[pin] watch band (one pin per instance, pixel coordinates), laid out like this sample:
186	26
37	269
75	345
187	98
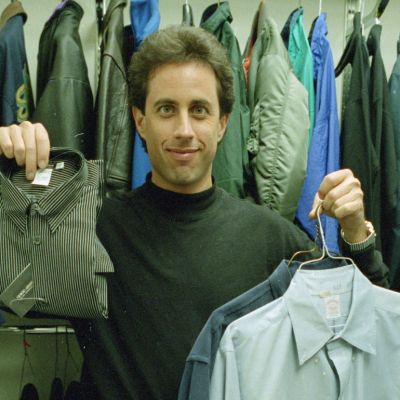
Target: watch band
365	243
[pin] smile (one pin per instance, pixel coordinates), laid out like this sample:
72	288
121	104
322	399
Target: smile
182	154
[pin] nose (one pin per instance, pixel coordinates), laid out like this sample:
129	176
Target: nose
184	128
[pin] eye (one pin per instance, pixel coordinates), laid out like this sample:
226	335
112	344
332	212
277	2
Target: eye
166	109
199	110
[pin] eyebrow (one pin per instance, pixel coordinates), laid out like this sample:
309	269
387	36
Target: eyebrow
167	100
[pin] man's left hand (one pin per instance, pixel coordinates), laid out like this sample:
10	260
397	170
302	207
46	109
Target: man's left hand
342	198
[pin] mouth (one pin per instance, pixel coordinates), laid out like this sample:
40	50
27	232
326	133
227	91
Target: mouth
182	154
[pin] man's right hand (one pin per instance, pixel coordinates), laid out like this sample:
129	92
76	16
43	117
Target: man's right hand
28	143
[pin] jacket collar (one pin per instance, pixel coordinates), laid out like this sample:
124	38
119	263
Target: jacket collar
55	205
214	16
319	42
310	329
14	8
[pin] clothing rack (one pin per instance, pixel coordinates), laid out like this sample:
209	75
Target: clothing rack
62	329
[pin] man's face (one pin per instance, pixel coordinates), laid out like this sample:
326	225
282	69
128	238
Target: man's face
182	126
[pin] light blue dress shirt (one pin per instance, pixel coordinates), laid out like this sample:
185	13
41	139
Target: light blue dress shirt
333	335
324	152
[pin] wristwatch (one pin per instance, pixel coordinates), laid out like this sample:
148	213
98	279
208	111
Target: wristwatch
365	243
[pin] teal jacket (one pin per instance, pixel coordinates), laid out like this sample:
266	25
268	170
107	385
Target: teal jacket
231	162
296	42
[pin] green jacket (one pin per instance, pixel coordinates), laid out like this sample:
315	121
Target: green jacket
231	162
279	123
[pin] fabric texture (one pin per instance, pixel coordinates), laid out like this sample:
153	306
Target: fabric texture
356	144
195	384
145	19
230	167
16	101
324	151
62	69
341	343
279	124
394	250
115	125
178	255
52	229
387	180
296	42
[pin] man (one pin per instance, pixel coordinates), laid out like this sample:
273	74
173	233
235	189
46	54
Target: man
181	246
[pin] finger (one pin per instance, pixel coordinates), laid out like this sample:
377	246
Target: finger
351	204
6	145
313	212
42	145
332	180
28	136
18	144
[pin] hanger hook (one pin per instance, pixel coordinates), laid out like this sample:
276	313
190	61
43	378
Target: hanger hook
320	7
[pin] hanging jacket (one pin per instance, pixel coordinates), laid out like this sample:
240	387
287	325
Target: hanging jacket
145	19
394	251
356	145
231	161
279	124
16	101
64	96
387	182
324	152
296	42
115	125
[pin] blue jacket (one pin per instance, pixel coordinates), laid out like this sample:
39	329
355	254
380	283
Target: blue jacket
324	152
16	101
145	19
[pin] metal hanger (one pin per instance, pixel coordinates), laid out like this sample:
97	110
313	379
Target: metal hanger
325	250
320	7
370	19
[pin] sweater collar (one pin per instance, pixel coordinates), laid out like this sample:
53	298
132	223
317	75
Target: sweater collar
179	205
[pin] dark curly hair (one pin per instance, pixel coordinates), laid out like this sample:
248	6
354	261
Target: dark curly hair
175	45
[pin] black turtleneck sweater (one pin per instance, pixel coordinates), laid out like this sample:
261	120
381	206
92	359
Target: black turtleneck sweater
177	258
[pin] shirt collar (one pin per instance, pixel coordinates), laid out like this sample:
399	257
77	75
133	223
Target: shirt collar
310	329
55	205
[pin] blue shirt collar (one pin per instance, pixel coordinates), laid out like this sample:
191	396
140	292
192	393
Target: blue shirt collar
311	330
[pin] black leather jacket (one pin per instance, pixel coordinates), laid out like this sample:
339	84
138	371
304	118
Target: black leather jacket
64	96
115	125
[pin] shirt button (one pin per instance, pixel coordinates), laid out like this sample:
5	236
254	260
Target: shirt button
354	358
36	207
37	239
316	360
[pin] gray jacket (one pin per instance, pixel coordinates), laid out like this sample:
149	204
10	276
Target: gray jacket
279	123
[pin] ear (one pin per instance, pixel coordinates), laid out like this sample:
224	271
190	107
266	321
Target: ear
140	121
223	123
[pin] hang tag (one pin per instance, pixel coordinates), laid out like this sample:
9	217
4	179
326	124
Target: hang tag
60	165
19	294
332	306
42	177
325	293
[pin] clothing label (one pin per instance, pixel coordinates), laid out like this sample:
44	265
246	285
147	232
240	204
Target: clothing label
18	295
325	293
60	165
42	177
332	306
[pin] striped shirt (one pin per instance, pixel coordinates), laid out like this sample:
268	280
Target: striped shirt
53	229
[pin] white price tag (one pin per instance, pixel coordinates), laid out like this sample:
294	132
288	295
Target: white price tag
42	177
